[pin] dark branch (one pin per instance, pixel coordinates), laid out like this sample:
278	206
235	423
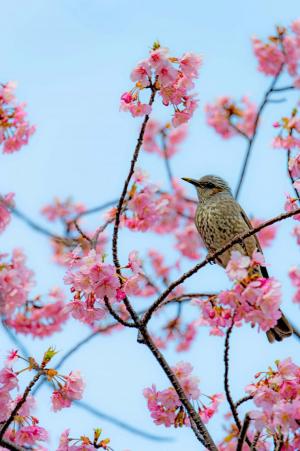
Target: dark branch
252	139
243	433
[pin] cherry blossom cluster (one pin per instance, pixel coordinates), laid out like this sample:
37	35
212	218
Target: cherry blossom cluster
64	210
83	443
164	140
148	208
39	317
230	118
16	281
36	317
172	77
283	48
92	281
286	138
5	215
167	409
15	130
23	428
254	299
276	394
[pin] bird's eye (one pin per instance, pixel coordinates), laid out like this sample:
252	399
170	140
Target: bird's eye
209	185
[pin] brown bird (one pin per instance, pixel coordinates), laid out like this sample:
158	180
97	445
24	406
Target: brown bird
219	218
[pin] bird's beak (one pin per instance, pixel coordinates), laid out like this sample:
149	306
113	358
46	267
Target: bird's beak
192	181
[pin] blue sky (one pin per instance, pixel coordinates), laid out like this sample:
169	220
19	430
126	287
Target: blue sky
72	60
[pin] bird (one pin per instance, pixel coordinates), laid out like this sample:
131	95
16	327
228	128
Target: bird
219	218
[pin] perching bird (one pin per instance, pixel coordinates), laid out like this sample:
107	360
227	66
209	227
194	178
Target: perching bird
219	218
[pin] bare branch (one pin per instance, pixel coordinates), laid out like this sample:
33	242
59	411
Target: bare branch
252	139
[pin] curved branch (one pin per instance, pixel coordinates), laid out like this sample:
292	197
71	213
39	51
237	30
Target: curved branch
252	139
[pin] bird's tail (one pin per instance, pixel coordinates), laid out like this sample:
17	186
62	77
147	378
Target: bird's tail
282	330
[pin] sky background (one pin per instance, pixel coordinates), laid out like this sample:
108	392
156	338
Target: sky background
72	61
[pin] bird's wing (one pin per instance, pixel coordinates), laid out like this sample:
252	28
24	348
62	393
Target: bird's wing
264	271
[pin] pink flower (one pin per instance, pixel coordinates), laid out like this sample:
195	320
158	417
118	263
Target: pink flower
294	166
29	435
189	242
165	406
172	77
291	205
266	235
62	210
5	215
270	57
8	379
141	74
16	280
237	266
15	131
190	64
226	116
70	391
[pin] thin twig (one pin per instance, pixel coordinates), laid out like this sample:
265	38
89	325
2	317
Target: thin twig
115	314
226	379
252	139
243	433
283	88
242	400
211	257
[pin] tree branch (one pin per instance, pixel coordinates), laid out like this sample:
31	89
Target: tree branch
252	139
243	433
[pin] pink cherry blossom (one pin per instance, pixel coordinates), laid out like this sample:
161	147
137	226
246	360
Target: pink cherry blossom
172	77
70	391
237	267
269	56
266	235
142	73
227	116
189	242
5	215
62	210
15	130
29	435
16	280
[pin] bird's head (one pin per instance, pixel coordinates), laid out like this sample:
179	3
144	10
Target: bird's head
208	186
